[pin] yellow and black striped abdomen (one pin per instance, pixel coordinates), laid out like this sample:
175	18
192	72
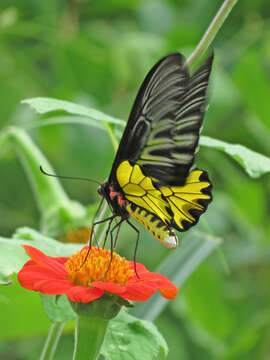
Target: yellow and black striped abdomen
161	231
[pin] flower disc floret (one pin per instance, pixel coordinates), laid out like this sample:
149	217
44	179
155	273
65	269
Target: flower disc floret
91	265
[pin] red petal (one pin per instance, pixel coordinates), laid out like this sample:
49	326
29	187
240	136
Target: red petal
50	287
139	267
61	259
32	273
166	287
140	289
160	282
46	261
109	287
169	293
138	292
84	294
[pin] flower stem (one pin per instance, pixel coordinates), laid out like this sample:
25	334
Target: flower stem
211	32
52	341
89	337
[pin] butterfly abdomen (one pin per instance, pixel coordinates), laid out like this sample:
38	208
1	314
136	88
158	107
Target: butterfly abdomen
161	231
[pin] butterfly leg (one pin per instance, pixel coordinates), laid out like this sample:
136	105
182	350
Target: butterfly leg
110	218
136	246
113	243
117	226
117	234
107	232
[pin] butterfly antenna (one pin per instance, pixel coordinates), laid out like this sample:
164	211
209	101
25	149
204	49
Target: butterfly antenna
68	177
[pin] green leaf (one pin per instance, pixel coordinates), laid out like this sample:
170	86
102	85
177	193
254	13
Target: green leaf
254	163
46	105
94	117
63	120
178	266
131	338
13	256
57	308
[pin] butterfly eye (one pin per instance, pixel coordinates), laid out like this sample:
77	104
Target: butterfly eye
100	190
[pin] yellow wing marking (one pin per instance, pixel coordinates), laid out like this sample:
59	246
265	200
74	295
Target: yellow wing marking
134	189
183	199
123	173
136	175
140	190
147	184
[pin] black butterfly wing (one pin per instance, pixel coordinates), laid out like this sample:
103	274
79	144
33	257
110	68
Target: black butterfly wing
163	129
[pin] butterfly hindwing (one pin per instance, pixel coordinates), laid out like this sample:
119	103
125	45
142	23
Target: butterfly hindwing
168	206
189	201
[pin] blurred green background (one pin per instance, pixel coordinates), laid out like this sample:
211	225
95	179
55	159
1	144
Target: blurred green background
96	53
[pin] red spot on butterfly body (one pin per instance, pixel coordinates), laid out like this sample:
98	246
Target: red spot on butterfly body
122	202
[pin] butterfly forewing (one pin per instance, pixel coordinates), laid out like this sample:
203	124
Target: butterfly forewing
163	129
152	116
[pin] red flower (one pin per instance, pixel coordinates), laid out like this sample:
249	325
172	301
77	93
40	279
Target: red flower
86	275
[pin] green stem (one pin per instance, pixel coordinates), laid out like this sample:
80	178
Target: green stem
52	341
48	193
58	212
211	32
112	136
89	337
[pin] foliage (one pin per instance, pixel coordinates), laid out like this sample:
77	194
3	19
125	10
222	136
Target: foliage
126	332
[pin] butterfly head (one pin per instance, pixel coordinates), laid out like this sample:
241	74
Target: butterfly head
105	191
101	190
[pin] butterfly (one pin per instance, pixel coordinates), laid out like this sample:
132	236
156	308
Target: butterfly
153	178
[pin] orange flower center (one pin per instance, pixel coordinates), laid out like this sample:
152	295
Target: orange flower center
98	265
